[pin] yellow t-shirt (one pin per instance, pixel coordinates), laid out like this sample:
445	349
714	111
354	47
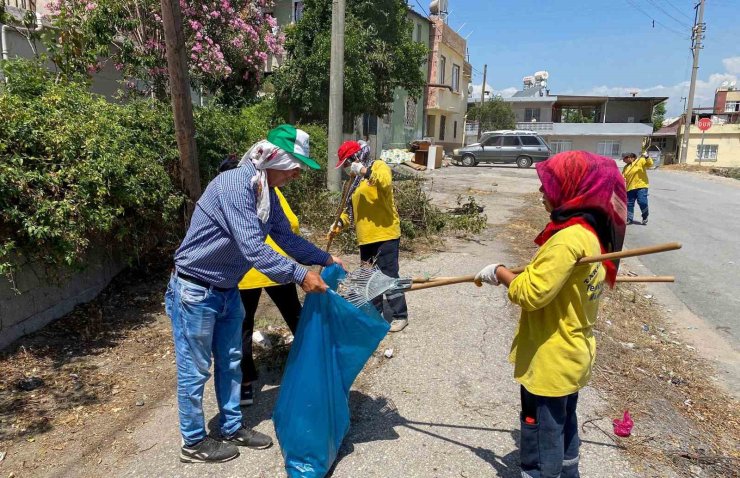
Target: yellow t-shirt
254	279
554	347
376	217
635	173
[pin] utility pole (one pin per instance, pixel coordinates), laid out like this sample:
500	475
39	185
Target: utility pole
182	106
697	36
336	94
482	101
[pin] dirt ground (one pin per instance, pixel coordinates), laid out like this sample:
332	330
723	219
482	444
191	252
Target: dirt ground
67	391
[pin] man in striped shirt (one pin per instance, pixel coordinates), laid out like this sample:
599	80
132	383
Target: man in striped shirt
226	238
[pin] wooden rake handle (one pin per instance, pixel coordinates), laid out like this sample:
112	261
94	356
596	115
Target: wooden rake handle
640	251
340	209
420	283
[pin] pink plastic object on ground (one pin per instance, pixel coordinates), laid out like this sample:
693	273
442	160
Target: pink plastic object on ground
623	427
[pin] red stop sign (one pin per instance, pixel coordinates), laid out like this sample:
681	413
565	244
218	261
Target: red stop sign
705	124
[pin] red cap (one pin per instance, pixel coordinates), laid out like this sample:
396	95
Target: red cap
347	149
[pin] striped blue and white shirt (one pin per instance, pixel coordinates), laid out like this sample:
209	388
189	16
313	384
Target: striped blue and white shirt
226	238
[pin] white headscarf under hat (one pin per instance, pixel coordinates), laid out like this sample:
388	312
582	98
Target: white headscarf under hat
265	155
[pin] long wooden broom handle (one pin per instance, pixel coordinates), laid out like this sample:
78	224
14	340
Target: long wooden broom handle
340	209
418	281
640	251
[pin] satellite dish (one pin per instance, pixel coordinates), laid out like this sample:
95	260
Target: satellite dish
470	89
725	84
542	75
732	84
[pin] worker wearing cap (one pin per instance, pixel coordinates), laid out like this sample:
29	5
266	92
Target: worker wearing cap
370	206
636	177
226	238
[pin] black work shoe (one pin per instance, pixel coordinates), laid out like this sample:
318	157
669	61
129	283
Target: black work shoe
208	450
249	438
247	396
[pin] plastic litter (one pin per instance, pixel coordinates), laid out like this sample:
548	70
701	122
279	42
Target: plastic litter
258	338
388	353
623	427
333	342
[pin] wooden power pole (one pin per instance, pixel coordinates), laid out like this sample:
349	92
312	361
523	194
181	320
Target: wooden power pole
336	94
182	106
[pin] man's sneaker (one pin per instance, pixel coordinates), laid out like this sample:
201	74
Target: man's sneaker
399	324
644	222
208	450
249	438
247	396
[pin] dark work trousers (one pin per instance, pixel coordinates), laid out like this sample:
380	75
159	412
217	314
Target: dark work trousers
285	298
641	196
385	255
549	444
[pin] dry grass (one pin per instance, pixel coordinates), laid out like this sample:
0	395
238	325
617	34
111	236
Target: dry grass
682	418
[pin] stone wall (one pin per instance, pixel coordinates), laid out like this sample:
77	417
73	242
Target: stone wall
37	298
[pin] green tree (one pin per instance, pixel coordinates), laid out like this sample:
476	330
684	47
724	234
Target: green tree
493	115
658	116
379	52
575	115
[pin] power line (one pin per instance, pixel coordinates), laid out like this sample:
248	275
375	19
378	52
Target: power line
637	7
423	10
657	5
678	9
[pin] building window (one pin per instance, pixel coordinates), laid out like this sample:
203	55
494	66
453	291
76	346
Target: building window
455	78
706	152
732	106
442	68
430	126
560	145
369	125
297	10
609	148
442	124
409	120
531	114
418	32
454	131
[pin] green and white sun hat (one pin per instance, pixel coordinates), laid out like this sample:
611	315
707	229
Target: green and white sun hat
294	141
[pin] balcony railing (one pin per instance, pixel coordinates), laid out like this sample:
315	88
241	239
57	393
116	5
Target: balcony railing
22	4
540	127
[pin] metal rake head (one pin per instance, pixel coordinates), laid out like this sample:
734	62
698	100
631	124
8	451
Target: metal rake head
367	282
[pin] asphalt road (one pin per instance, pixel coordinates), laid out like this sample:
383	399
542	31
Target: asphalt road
703	213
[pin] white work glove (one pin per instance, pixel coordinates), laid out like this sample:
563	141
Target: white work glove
488	275
335	228
357	168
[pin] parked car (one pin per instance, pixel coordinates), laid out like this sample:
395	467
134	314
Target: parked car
520	147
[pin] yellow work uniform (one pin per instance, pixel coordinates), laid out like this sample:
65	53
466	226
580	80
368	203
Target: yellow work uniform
554	347
635	173
375	214
254	279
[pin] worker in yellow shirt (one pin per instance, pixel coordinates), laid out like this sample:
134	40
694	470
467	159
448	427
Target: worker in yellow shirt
284	296
554	347
370	206
635	175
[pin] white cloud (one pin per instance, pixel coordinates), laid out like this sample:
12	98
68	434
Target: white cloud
506	92
732	65
703	97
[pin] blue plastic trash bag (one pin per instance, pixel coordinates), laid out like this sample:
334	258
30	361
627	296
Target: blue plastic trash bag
333	342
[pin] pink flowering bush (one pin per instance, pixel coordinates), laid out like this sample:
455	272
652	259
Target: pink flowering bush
228	42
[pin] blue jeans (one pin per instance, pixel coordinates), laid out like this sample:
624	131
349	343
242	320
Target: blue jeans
549	441
641	196
204	322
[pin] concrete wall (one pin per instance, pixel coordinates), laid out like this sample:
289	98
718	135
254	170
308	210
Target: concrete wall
621	111
451	140
628	144
520	107
37	298
725	136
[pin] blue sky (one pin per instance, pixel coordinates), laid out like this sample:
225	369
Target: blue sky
600	46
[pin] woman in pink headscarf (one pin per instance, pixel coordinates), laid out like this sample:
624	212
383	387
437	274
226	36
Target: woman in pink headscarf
554	347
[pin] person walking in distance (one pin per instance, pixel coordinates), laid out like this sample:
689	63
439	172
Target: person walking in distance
636	177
